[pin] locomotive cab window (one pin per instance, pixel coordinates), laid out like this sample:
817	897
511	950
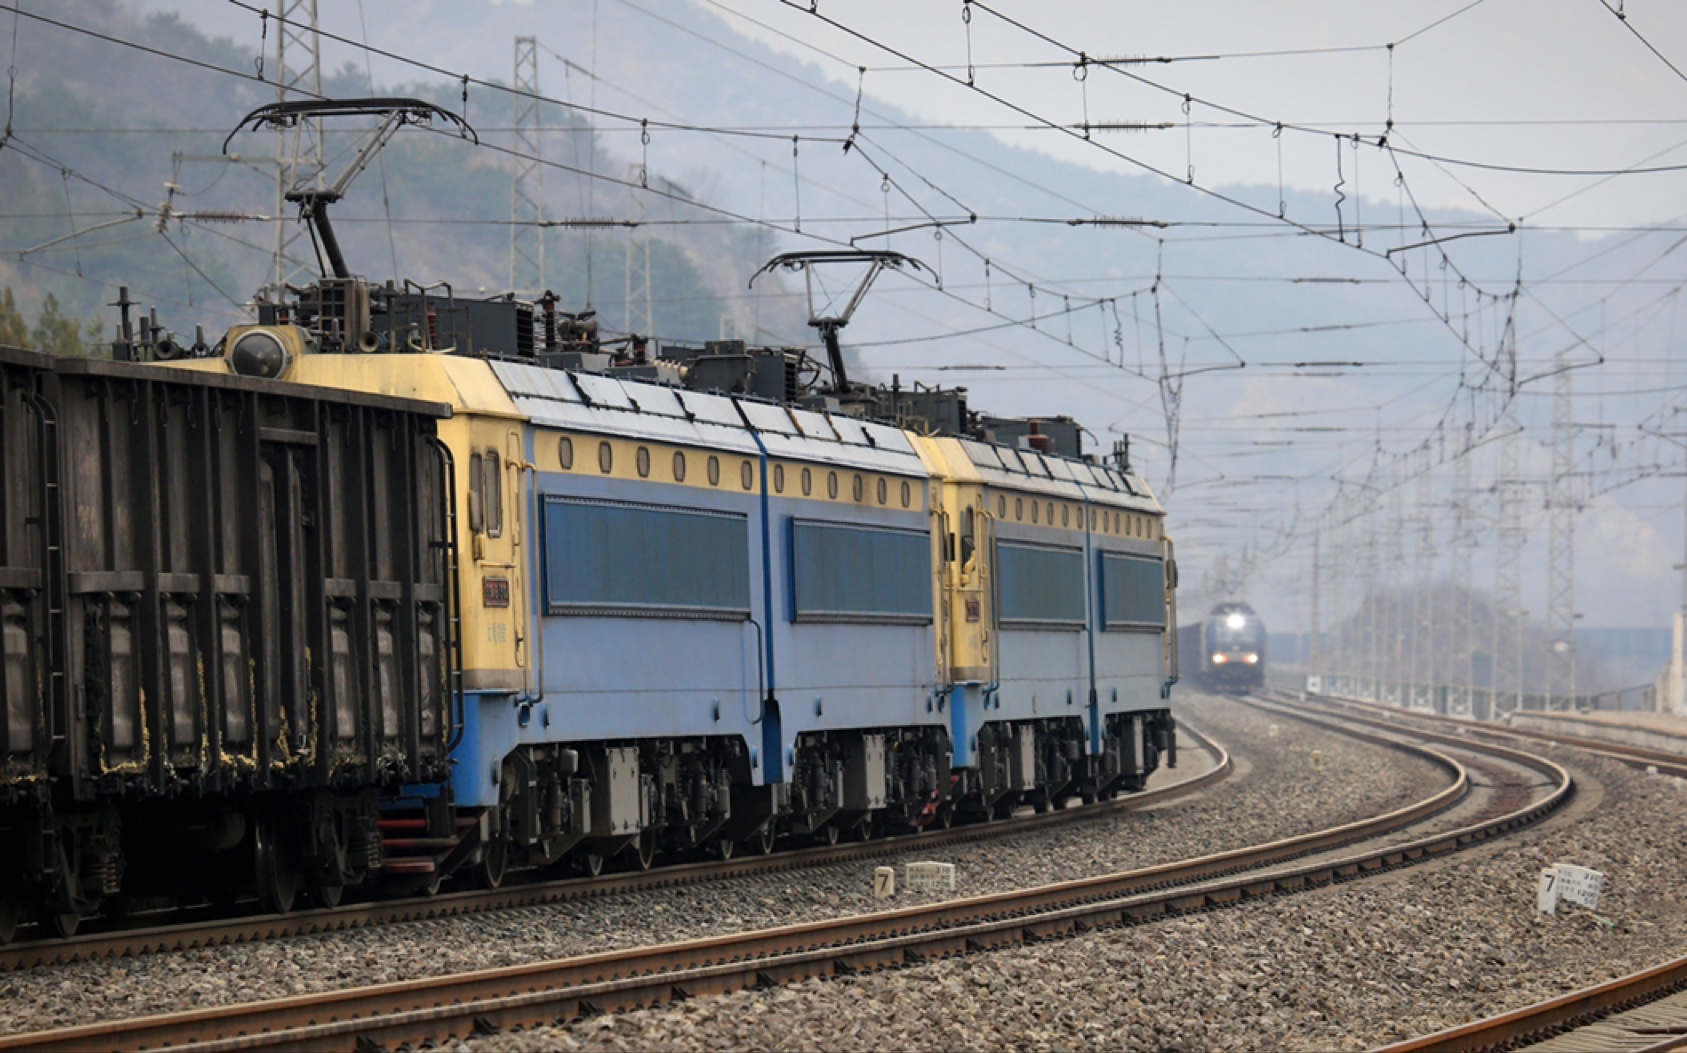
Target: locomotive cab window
494	489
477	475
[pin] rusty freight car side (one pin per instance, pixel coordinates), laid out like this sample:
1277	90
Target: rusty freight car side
254	633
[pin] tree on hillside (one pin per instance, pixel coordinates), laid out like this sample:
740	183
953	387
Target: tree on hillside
53	332
14	331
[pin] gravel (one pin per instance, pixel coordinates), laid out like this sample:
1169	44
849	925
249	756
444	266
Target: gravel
1349	967
1276	792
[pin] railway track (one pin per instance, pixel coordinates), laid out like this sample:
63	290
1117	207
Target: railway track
1645	1012
130	942
442	1007
1640	757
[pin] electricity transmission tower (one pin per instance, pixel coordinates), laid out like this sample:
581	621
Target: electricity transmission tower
1461	695
527	189
1510	537
1423	591
1561	549
298	150
639	317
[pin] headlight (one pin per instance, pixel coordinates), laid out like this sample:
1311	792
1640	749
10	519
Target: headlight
258	354
1219	659
1251	659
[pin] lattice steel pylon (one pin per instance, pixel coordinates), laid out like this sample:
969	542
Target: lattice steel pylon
1394	562
640	318
298	150
1423	590
1314	652
1562	506
1461	697
1509	538
527	184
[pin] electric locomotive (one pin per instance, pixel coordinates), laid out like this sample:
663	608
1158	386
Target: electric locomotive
651	600
1226	650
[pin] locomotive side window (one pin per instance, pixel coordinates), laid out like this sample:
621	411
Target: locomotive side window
565	453
679	466
477	491
746	475
907	494
832	485
778	478
1001	507
494	495
859	487
884	491
714	470
605	457
807	482
642	461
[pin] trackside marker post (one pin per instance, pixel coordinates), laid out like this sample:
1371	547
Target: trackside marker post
929	877
884	882
1566	882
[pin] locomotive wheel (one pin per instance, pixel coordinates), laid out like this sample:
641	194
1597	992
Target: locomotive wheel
763	839
644	850
828	834
278	882
11	912
592	864
724	847
494	862
863	830
327	896
64	924
945	816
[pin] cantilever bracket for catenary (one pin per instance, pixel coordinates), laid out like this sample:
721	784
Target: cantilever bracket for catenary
314	202
830	324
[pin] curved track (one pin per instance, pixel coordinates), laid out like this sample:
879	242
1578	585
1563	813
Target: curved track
131	941
434	1009
1583	1019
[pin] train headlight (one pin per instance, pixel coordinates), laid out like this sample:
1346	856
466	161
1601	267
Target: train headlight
258	353
1251	659
1236	621
1219	659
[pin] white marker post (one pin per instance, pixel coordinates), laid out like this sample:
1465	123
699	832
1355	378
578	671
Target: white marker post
929	877
1569	883
884	882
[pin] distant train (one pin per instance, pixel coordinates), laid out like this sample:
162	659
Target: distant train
1225	651
394	585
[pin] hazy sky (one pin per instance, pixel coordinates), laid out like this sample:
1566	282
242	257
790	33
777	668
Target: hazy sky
1561	84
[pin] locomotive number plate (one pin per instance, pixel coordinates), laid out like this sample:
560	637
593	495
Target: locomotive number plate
973	609
495	592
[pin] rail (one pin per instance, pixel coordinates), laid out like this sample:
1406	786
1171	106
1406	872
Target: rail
437	1008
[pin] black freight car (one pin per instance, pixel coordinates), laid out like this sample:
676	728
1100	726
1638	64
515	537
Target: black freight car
244	640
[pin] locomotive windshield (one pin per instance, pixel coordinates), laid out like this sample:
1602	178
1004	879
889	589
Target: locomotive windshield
1234	632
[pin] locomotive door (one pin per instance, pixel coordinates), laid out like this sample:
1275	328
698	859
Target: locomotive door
494	585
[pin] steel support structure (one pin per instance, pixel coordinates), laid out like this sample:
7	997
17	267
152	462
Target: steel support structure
1562	506
1423	679
527	184
640	318
1510	536
298	150
1461	696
